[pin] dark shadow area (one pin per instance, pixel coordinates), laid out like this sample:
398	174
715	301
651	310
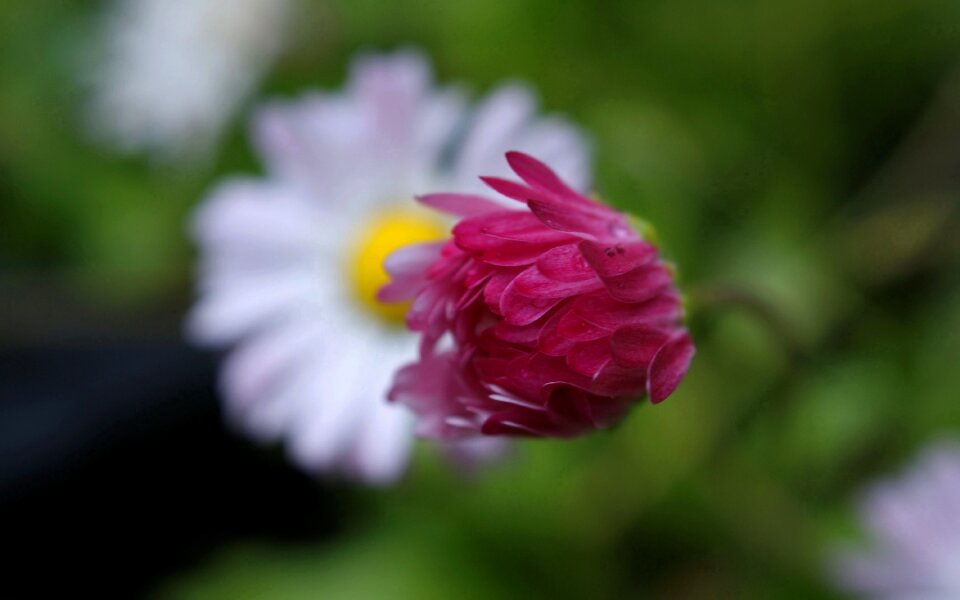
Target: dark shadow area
116	471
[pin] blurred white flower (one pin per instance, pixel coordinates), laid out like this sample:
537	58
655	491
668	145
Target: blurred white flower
290	263
171	73
913	523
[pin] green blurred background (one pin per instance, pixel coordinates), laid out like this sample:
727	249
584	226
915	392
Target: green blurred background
801	162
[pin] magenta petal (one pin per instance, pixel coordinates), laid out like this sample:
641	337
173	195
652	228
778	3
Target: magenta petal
605	312
519	422
518	334
639	284
564	218
574	327
669	365
565	263
490	230
635	347
578	318
469	297
611	260
510	189
493	291
507	238
511	255
460	205
549	370
618	382
551	342
535	284
571	404
530	295
588	358
538	174
477	275
518	309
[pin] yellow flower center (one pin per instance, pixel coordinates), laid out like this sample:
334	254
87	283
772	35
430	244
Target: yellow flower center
380	236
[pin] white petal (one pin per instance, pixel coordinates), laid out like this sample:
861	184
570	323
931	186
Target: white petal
257	368
506	121
173	71
329	415
267	216
382	447
492	132
390	89
560	144
228	312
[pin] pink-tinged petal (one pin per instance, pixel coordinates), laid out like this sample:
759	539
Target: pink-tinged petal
412	260
638	285
635	346
460	205
424	305
398	291
565	263
407	268
669	365
587	358
538	175
612	260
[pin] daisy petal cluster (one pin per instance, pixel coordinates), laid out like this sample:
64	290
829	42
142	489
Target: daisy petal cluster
545	320
172	72
290	263
913	523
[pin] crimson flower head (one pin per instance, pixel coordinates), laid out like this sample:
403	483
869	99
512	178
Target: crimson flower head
546	317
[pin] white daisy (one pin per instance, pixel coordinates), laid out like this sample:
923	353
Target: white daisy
914	527
172	72
290	263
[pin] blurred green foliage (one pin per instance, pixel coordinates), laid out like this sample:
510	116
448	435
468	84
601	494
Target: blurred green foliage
796	158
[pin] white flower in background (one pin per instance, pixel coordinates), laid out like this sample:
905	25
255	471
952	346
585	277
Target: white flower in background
171	73
290	263
913	523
